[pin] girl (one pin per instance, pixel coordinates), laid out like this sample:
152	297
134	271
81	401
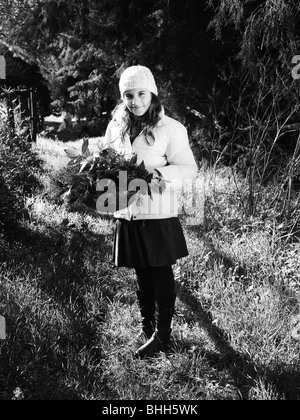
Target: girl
148	236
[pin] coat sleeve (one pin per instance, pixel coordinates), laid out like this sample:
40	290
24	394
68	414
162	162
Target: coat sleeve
181	162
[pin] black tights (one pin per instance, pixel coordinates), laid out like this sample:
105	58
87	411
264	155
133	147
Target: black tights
157	282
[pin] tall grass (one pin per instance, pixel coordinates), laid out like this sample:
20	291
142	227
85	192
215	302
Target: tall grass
72	317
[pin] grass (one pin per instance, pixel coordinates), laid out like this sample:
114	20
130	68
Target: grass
72	317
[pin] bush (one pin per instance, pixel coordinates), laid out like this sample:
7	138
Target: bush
19	167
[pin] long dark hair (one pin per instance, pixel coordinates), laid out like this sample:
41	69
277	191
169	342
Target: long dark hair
126	120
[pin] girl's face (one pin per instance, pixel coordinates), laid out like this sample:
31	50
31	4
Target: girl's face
137	101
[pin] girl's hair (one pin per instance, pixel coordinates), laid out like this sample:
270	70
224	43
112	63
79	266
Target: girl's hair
126	120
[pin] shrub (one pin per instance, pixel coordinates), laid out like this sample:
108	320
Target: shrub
19	167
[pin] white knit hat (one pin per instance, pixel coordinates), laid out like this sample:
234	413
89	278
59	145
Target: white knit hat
137	77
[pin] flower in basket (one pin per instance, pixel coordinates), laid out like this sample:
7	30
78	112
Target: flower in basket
108	175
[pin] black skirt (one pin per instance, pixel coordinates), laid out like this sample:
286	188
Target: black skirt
148	243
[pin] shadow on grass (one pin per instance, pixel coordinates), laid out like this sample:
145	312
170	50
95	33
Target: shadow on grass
39	362
283	380
55	131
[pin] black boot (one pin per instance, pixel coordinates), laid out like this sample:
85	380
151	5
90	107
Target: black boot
160	339
147	308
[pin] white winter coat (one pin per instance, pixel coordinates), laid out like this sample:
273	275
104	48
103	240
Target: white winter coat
170	154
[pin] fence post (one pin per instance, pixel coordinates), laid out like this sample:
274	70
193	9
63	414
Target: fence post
33	115
31	104
10	112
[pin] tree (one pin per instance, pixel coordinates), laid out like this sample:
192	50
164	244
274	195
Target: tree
267	30
82	46
258	76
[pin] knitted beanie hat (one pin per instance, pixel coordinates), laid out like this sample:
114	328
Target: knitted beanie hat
137	77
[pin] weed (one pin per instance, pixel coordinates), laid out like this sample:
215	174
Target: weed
72	317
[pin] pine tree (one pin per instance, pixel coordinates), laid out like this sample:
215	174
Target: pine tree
82	46
258	77
266	29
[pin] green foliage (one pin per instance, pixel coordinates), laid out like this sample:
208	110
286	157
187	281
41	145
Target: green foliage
81	48
253	121
267	30
19	166
72	318
258	78
86	170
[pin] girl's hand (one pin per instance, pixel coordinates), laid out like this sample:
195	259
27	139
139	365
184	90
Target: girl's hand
158	183
102	145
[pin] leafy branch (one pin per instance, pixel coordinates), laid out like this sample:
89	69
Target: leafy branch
88	169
